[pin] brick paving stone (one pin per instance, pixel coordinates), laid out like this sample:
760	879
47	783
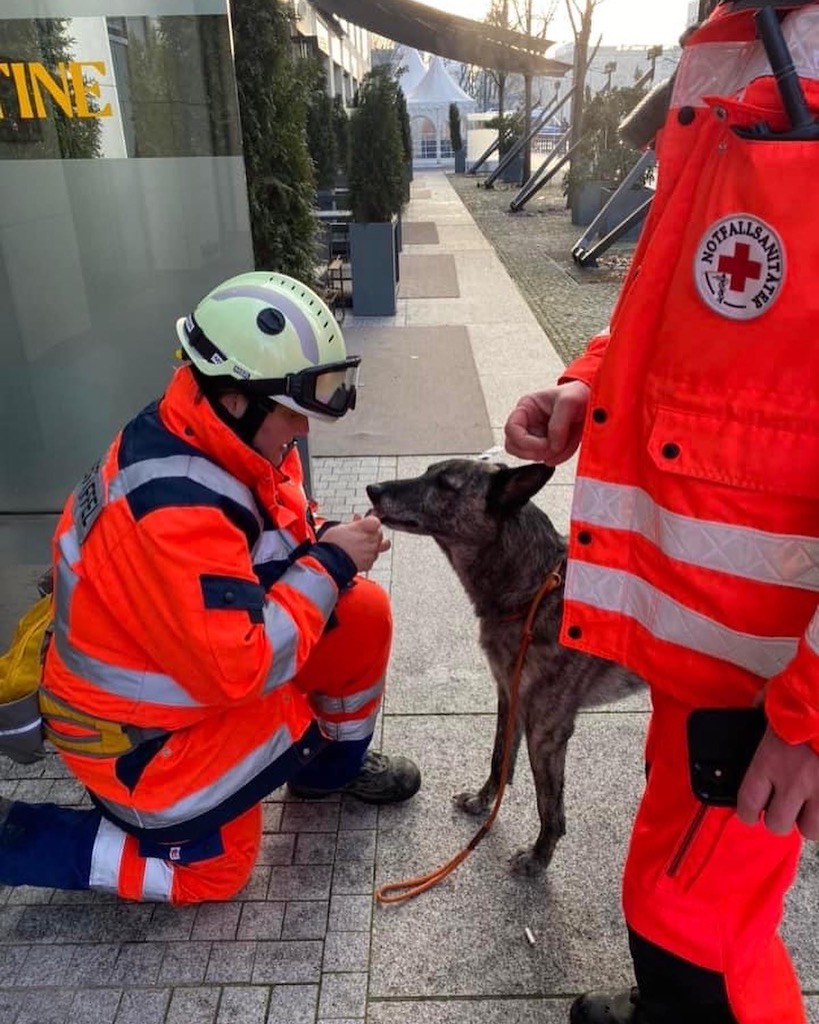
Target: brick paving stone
143	1006
107	923
315	848
138	963
34	791
84	897
257	885
357	846
356	815
184	963
277	848
346	951
47	1006
216	921
295	962
321	816
353	877
350	913
172	923
343	995
231	962
12	960
271	816
293	1004
300	882
243	1004
96	1006
261	921
194	1005
305	920
92	963
29	895
46	965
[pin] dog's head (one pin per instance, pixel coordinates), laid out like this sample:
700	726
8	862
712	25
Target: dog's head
461	499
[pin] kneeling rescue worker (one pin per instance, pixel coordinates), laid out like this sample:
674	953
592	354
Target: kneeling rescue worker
212	639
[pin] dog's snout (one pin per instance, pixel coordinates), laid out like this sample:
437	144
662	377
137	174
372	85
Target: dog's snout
374	491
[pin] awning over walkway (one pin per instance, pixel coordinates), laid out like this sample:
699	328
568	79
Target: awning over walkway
473	42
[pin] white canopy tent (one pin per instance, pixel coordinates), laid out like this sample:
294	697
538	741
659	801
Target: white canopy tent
409	67
428	108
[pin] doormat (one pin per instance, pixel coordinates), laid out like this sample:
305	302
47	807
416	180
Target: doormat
419	394
420	232
428	277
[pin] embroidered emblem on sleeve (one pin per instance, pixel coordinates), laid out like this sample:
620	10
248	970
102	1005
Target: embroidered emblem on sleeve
739	267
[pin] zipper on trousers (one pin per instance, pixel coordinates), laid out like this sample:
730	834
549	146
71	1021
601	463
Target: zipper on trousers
687	840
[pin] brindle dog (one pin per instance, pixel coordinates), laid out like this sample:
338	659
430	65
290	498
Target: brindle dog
502	548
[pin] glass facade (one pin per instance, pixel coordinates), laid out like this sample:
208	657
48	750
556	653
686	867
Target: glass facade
122	201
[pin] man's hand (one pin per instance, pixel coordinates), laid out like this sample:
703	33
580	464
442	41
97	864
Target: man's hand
362	539
783	782
546	426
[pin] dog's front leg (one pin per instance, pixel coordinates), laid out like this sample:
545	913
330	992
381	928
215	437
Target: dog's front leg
547	754
479	802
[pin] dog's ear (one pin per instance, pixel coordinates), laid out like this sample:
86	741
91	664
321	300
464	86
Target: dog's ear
510	489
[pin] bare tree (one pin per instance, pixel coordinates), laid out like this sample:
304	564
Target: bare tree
498	17
581	13
531	24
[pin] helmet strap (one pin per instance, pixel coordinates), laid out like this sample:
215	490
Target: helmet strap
246	426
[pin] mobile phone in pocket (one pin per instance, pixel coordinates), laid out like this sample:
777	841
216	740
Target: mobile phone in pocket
721	745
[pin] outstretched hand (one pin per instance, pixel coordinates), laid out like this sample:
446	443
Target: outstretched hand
362	540
782	785
546	426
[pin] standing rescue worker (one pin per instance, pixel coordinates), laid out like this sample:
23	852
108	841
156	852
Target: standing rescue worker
695	523
212	640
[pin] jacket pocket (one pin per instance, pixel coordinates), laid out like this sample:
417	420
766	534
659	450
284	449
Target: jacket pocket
780	458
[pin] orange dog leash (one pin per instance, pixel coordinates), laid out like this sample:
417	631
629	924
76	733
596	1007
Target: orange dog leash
399	892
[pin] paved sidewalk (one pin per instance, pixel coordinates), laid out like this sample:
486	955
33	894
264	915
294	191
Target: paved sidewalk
304	942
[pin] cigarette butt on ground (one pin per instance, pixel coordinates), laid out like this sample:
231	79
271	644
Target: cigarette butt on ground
530	938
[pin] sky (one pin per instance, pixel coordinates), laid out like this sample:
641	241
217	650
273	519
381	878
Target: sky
621	22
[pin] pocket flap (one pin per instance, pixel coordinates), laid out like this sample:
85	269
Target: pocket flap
779	459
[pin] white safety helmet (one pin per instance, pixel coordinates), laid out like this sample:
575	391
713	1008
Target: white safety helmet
277	340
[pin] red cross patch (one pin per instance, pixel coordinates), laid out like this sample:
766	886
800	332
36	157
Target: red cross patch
739	267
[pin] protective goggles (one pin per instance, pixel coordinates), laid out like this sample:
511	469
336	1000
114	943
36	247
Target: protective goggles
329	389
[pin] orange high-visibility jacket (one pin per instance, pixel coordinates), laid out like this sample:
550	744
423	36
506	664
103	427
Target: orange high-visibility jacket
694	553
188	579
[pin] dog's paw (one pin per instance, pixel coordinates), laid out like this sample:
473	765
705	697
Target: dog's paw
472	803
526	863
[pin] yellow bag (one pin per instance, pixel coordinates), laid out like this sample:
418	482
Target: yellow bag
21	727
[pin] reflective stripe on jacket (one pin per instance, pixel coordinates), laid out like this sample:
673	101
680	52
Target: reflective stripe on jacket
695	525
188	578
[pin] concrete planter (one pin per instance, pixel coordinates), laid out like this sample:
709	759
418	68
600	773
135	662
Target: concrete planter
513	174
460	161
626	203
587	202
374	266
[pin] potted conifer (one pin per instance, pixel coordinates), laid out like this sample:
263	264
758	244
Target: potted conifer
455	138
603	159
377	190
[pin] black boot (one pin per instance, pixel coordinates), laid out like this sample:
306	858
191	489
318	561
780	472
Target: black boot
380	780
607	1008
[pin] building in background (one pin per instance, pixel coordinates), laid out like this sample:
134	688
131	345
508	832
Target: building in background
612	67
345	47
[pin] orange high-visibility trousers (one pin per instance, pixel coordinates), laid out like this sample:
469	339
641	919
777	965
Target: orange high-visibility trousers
705	887
343	677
